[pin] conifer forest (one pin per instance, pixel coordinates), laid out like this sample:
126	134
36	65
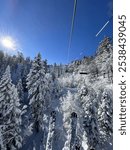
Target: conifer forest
59	106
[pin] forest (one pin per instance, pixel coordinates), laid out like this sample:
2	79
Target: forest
59	106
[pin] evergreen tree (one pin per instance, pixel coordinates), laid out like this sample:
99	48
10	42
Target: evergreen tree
20	90
73	130
1	63
10	113
90	122
70	103
37	85
50	138
72	142
2	146
45	65
105	114
49	95
91	127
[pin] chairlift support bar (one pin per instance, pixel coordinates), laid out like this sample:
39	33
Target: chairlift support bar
85	73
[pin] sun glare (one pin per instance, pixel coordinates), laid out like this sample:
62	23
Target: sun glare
8	43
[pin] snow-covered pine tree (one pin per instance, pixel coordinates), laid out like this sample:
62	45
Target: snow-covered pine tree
52	93
105	112
2	146
20	90
45	65
49	96
73	130
71	108
91	127
37	85
56	88
70	103
51	132
90	122
73	140
10	114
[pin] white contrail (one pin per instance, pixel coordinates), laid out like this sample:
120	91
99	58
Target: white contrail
102	28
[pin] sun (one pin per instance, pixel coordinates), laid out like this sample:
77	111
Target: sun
8	43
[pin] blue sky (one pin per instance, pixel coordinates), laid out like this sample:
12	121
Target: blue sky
44	26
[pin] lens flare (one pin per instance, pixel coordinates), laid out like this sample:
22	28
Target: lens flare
8	43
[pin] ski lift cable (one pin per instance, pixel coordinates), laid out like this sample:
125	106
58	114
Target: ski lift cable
72	28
